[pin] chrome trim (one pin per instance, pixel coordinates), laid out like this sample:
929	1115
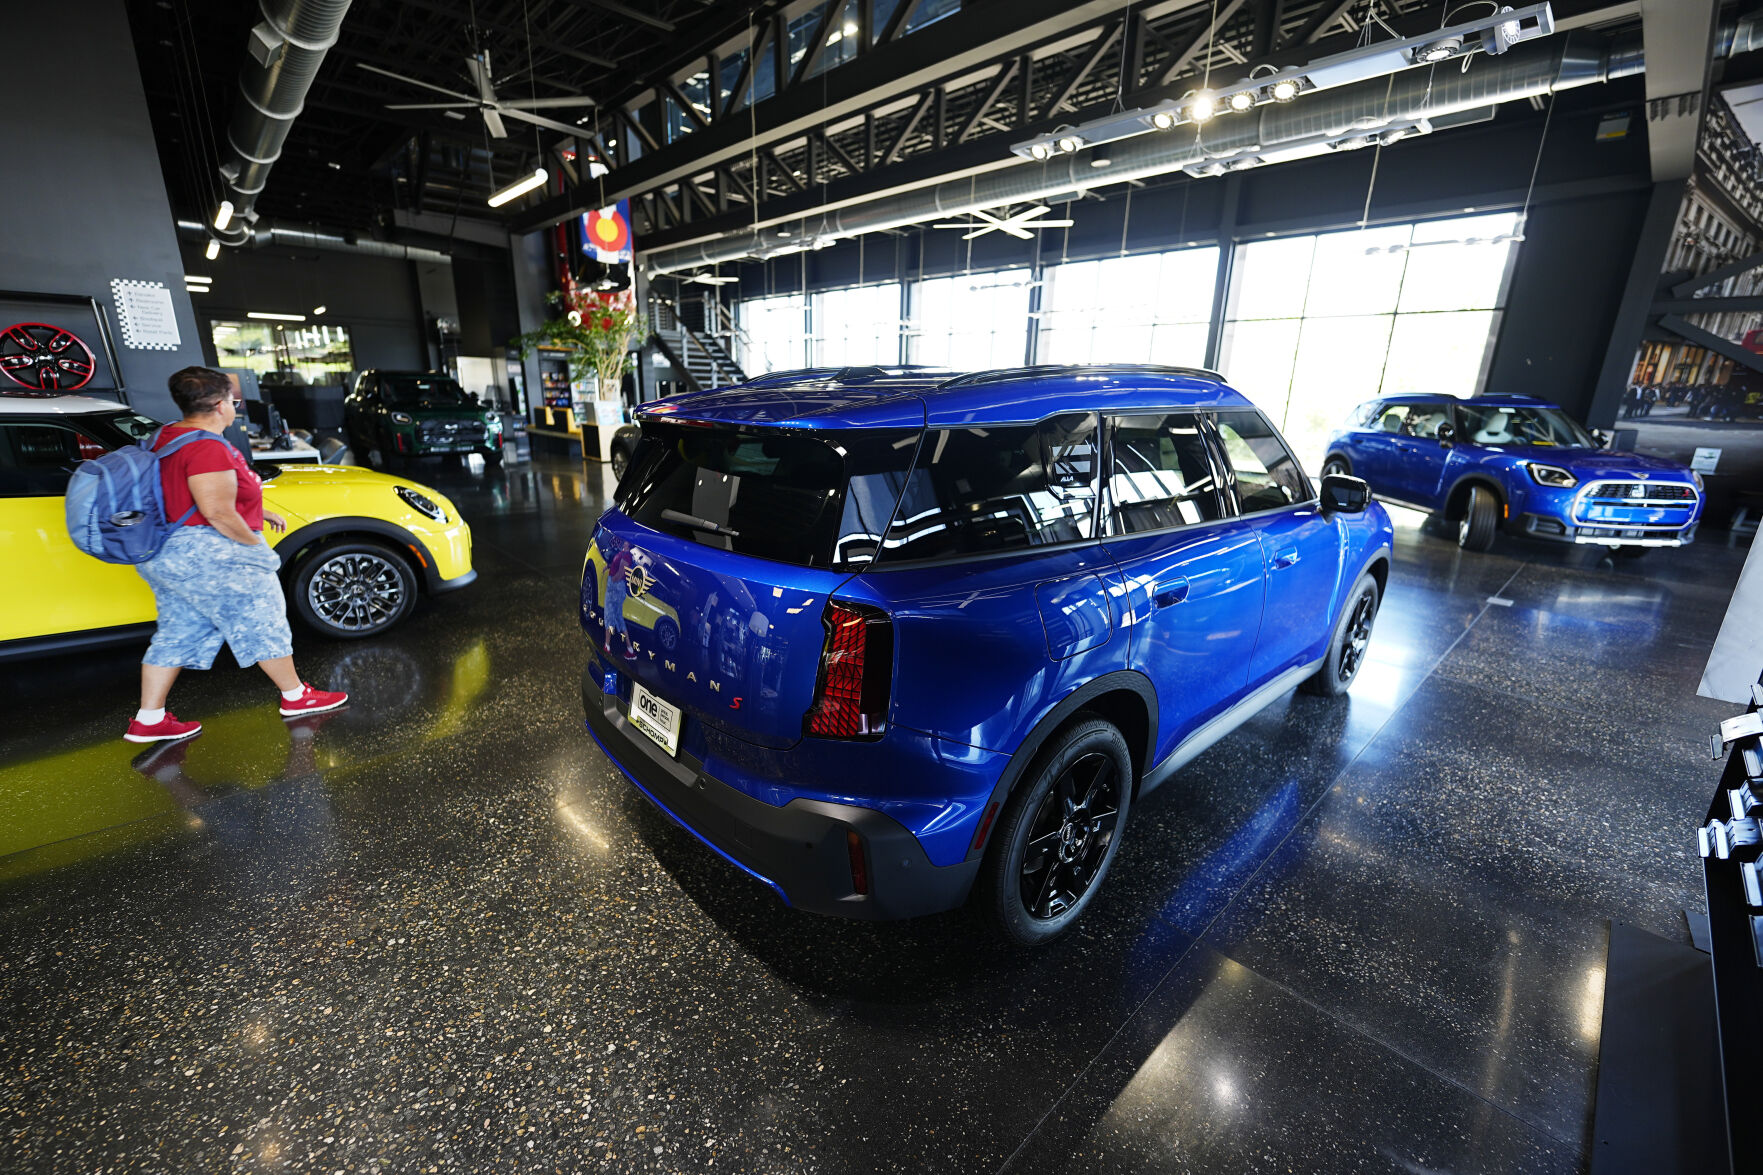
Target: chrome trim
1604	542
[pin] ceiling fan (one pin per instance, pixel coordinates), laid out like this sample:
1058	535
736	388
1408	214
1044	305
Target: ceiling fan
711	279
1016	225
493	109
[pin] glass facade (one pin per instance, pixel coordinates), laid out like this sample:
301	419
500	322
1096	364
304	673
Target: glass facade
1148	308
857	327
774	334
973	322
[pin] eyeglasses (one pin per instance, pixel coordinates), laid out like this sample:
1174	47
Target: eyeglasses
238	404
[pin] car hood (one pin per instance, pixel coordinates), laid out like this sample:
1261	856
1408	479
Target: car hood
1591	464
321	491
440	411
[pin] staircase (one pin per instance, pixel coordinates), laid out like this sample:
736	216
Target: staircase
698	356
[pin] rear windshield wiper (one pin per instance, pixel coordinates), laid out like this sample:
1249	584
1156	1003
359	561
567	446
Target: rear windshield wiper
703	524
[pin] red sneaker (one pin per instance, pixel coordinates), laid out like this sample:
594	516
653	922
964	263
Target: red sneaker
165	730
313	701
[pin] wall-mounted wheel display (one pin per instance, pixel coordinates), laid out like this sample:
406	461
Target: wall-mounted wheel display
44	358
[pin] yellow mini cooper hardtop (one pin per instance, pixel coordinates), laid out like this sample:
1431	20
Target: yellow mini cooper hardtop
359	548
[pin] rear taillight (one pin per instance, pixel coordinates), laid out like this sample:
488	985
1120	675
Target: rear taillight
856	670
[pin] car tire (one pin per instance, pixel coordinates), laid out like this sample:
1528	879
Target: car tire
1481	518
492	457
323	582
621	461
1336	465
667	632
1346	648
1079	792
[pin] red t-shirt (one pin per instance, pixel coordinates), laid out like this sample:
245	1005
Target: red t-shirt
207	457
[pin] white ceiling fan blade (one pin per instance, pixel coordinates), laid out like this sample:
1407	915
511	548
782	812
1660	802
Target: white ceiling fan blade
546	103
494	122
1052	224
479	67
1022	234
536	120
987	217
1030	214
431	105
968	224
980	232
412	81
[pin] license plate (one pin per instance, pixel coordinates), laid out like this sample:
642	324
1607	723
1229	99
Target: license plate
655	718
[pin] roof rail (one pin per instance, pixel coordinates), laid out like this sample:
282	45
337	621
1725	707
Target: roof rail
1008	373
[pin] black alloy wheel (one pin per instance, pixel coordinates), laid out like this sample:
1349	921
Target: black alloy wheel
352	590
1346	649
1333	466
621	461
1058	835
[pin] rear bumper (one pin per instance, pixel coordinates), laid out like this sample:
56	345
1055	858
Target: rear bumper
800	850
1553	529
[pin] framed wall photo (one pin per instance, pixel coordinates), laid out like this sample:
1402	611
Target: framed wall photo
56	345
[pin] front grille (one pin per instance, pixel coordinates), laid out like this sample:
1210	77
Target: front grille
450	432
1638	491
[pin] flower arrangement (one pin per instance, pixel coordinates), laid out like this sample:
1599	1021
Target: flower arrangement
596	328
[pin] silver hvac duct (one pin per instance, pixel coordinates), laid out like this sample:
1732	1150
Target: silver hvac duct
1534	69
264	233
285	50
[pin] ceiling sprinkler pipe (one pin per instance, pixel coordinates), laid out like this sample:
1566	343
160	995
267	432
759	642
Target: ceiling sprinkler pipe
266	233
1534	69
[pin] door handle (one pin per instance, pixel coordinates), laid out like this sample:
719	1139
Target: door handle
1171	591
1286	557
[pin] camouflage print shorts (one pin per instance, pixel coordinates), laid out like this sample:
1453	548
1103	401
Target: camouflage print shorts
211	590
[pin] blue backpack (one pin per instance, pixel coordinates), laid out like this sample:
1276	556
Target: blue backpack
116	503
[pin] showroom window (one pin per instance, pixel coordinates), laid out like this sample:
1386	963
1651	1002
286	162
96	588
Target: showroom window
1150	308
301	355
971	322
774	334
857	327
1315	325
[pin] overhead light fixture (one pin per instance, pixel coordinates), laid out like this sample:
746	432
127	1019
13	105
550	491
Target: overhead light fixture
1494	33
333	165
520	187
317	310
213	249
197	279
453	114
266	315
1101	161
223	216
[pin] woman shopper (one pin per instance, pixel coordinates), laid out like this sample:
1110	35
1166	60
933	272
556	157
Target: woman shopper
215	580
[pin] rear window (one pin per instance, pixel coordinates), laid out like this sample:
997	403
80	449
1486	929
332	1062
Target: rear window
977	490
789	496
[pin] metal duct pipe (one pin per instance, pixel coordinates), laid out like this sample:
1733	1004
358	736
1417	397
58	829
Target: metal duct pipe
1534	69
282	57
265	233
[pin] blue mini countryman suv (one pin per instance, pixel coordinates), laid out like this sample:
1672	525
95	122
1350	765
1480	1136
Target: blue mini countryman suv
889	641
1517	464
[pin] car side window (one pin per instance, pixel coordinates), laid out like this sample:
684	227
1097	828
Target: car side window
1161	474
37	458
1263	473
1365	415
1391	418
981	489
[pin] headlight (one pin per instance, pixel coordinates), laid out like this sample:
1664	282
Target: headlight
402	418
493	420
421	503
1697	478
1552	475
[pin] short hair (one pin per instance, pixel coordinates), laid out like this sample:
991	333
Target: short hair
199	389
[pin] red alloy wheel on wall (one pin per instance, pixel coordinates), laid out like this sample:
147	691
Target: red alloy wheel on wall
44	358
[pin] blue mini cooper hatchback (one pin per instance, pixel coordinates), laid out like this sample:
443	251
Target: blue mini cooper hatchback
1517	464
887	641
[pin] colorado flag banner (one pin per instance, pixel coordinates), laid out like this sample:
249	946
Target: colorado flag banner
606	232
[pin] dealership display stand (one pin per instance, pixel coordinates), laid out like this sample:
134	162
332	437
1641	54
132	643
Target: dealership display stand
1678	1071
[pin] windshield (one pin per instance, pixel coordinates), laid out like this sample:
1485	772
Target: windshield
423	391
793	497
1493	424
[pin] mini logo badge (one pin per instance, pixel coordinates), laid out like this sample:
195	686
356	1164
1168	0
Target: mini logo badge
638	580
1633	492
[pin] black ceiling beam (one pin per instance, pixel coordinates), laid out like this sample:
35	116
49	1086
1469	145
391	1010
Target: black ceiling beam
1331	11
1201	41
839	153
993	92
969	39
911	124
1098	50
817	45
617	9
896	22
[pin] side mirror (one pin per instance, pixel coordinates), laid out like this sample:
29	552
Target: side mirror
1343	494
1446	433
1601	437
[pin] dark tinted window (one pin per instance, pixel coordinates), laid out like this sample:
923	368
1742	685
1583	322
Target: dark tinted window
1162	473
36	459
422	391
1264	474
790	496
998	489
1492	424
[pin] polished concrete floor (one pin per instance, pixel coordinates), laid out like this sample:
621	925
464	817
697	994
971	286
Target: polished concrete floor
438	932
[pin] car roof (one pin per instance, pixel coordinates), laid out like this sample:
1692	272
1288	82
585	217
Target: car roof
895	397
14	404
1498	398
